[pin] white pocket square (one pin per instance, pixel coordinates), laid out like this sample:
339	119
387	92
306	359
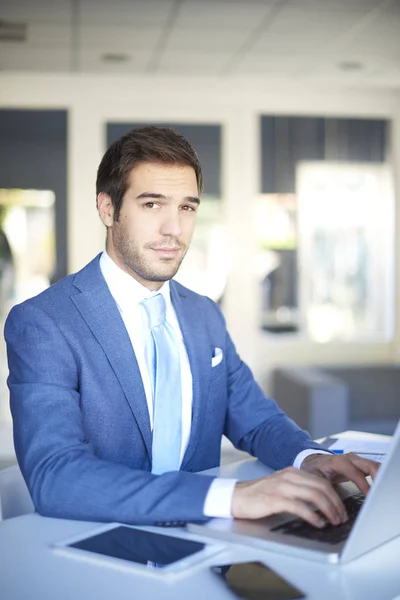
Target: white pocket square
218	356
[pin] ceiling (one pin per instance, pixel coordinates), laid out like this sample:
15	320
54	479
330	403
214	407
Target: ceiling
355	41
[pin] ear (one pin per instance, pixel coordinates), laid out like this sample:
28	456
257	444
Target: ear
105	209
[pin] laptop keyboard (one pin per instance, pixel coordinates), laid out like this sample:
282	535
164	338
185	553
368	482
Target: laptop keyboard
331	534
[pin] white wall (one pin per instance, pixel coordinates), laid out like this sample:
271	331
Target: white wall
236	104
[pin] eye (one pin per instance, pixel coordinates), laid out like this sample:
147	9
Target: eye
188	208
151	205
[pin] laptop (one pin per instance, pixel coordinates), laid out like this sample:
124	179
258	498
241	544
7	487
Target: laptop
373	520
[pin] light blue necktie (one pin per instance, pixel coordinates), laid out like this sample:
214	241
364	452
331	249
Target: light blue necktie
165	374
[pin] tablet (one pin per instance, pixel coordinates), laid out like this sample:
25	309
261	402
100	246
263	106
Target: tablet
148	550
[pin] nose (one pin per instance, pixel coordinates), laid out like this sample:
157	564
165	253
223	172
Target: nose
171	224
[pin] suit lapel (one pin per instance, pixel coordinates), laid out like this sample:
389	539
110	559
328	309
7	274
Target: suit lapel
198	350
99	310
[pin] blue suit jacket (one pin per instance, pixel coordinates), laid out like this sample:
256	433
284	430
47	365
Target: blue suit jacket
81	426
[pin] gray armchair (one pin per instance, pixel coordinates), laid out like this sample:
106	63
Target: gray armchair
328	399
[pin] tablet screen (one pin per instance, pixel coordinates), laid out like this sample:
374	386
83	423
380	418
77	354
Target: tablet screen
138	546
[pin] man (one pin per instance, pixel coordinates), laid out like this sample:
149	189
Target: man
118	402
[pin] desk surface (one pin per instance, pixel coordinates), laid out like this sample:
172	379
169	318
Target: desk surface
31	570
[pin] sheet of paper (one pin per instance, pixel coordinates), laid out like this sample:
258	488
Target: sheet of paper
378	457
359	446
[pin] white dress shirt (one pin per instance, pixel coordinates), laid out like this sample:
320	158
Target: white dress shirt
128	294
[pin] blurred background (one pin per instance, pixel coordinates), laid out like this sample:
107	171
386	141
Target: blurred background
294	109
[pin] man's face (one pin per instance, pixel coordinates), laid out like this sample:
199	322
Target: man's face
155	224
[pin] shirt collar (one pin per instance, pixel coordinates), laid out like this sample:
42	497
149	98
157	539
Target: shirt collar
124	288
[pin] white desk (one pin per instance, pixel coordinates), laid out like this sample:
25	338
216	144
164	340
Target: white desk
31	570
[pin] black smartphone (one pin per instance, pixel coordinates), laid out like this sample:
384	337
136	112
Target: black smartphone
256	581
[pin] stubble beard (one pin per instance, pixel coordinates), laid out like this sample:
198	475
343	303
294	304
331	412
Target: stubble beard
135	261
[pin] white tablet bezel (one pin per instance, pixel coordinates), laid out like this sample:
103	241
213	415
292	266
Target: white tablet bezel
198	559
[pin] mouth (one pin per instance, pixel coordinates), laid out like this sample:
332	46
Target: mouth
167	252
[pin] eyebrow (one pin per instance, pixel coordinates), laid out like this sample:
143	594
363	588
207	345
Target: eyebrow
152	195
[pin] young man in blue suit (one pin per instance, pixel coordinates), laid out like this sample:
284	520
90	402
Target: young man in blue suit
113	412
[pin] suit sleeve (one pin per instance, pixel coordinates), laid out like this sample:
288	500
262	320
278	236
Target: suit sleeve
64	476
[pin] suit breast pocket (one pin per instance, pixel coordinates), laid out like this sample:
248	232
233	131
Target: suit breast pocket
217	358
218	376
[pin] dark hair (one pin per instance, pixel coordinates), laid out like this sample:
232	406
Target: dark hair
145	144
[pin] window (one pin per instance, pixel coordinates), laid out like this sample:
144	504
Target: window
27	244
33	211
324	226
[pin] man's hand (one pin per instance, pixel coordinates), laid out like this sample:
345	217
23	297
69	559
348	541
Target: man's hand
341	467
289	490
292	490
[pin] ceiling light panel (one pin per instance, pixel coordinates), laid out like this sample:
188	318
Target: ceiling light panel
220	15
43	11
135	13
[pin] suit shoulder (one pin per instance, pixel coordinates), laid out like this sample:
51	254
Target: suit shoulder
205	304
60	287
52	296
41	304
194	296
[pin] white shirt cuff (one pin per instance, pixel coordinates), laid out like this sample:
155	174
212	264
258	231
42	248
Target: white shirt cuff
219	498
298	461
